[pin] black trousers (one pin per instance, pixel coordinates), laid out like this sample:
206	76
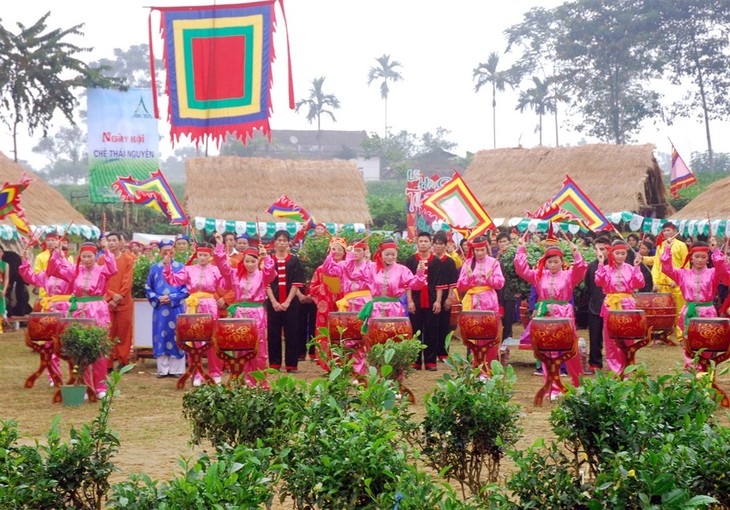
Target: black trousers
425	321
508	318
595	335
307	326
288	322
443	322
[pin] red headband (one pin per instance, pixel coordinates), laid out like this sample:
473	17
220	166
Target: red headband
88	247
205	249
360	244
553	251
378	257
693	250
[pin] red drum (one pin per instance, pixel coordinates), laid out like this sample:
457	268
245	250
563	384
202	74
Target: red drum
194	327
552	333
384	328
344	326
43	327
478	325
67	321
627	324
236	334
661	312
709	333
455	313
524	314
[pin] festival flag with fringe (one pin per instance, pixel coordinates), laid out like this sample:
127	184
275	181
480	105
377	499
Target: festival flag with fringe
10	207
455	203
680	176
572	204
285	208
154	192
218	60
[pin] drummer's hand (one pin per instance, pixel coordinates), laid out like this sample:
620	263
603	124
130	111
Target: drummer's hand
411	306
638	259
437	307
669	241
713	243
221	303
655	288
103	244
218	238
600	257
521	240
350	248
262	251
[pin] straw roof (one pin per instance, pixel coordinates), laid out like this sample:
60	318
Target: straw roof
42	203
616	178
712	201
234	188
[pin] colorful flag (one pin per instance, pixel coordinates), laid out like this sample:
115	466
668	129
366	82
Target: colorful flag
455	203
572	202
10	207
154	192
285	208
218	61
680	176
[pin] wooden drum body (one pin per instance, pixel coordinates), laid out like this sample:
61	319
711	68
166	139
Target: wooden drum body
661	312
455	314
478	325
627	324
236	334
344	326
194	327
40	336
553	334
384	328
713	335
709	333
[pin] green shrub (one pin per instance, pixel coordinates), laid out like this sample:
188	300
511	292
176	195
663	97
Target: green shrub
469	424
238	478
394	359
83	345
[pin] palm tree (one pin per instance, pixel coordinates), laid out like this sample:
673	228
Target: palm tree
386	71
487	73
554	96
537	99
318	103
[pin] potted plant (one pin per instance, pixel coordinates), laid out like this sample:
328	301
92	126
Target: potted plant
82	345
394	359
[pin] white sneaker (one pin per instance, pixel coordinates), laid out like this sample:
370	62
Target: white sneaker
100	394
51	384
197	382
217	379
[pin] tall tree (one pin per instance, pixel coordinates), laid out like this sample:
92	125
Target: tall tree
65	153
131	66
487	73
537	99
319	103
386	71
695	42
39	74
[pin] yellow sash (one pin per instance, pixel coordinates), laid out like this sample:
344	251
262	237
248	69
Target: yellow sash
466	303
45	302
344	303
194	300
613	299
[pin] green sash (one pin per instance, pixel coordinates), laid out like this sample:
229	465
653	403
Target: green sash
75	300
242	304
367	310
541	307
692	311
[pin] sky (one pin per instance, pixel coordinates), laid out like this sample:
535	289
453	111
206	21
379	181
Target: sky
438	43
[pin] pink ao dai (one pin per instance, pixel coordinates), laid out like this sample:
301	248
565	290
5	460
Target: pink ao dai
481	277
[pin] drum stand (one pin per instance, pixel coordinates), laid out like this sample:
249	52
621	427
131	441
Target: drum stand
629	349
44	348
195	351
235	359
479	347
704	365
552	365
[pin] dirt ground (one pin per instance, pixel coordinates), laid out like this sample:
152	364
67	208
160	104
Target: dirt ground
148	418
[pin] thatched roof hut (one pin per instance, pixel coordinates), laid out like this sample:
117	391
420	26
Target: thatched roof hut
617	178
234	188
713	201
45	207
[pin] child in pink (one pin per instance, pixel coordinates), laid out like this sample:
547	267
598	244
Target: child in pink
89	282
698	284
202	280
554	287
249	284
356	294
618	281
480	278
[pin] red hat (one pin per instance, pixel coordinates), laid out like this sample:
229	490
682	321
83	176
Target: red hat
378	257
692	250
361	244
552	251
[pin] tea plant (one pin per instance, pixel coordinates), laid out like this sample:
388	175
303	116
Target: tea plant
395	356
237	478
469	424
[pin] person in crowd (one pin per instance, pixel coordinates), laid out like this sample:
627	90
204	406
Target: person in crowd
119	298
479	280
507	295
554	287
89	282
283	306
699	283
662	282
619	280
182	244
168	301
596	298
249	280
201	281
424	305
448	276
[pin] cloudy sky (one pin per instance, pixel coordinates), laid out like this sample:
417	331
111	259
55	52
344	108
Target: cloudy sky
438	43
